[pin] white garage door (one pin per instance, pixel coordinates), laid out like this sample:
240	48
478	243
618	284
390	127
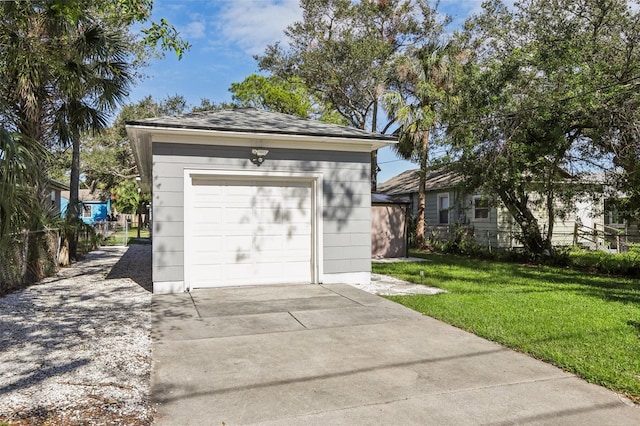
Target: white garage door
246	232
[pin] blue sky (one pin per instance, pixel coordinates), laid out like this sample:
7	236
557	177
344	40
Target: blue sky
225	34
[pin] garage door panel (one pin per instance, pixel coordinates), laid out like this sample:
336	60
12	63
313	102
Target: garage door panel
281	242
239	273
261	255
236	215
208	270
207	215
207	244
282	212
271	270
287	233
267	271
223	256
250	232
297	230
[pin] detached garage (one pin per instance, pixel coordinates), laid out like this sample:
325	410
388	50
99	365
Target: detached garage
247	197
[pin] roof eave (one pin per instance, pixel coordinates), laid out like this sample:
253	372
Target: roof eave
142	136
57	185
373	143
141	147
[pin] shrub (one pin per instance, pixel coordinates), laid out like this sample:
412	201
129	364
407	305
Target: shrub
463	243
460	240
607	263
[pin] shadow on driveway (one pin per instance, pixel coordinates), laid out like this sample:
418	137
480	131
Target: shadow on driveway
135	264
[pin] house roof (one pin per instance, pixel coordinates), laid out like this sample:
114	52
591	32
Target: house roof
248	127
408	181
85	196
377	198
253	120
57	185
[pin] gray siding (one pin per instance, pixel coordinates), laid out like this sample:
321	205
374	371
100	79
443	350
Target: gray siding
346	190
431	213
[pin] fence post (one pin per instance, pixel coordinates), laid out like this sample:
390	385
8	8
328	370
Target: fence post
126	232
25	257
58	248
575	234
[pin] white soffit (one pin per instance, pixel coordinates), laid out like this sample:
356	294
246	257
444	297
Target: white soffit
142	136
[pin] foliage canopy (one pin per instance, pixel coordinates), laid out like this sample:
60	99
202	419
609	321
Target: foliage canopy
549	91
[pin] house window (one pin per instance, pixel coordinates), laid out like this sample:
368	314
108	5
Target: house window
86	211
443	209
480	208
615	218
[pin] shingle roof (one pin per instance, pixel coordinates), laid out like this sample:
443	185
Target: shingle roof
252	120
378	198
57	185
408	181
85	195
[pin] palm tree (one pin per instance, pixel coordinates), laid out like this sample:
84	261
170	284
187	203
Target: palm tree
63	73
95	78
18	173
25	88
419	90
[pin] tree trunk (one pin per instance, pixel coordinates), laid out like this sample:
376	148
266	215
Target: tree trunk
422	193
74	186
139	223
551	218
531	234
374	171
374	154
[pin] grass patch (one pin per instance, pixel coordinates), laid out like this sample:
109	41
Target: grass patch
607	263
583	323
118	237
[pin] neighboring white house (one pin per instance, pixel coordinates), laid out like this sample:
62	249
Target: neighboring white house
245	196
449	203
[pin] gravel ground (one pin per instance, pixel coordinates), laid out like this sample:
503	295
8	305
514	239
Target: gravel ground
75	349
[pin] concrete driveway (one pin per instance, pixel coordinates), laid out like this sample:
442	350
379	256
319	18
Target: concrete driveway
333	354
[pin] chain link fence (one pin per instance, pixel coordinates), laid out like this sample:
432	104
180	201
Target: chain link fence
114	233
28	257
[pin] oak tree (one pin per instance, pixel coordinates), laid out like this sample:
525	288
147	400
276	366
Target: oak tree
541	97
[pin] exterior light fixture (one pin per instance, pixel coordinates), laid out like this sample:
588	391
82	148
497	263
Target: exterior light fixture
257	156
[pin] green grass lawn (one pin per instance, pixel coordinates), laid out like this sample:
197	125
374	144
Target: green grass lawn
117	238
584	323
621	263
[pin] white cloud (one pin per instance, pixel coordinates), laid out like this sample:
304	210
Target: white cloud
463	9
193	30
254	24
